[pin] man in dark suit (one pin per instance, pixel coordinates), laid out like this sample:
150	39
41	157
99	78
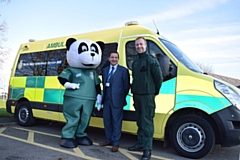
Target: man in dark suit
116	84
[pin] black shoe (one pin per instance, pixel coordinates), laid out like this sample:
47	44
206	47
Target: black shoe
85	141
136	147
146	155
68	143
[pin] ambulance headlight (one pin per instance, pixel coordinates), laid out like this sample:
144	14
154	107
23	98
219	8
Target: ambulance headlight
228	92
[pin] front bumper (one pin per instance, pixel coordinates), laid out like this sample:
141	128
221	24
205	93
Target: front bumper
228	121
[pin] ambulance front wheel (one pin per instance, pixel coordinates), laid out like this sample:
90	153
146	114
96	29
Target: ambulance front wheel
24	114
192	136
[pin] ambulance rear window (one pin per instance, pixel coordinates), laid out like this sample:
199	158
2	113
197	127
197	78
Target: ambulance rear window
45	63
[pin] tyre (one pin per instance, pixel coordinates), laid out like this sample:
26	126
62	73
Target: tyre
24	114
192	136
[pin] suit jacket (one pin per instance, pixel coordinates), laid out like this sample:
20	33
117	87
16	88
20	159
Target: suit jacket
119	86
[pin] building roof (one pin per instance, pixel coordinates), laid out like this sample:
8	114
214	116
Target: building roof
233	81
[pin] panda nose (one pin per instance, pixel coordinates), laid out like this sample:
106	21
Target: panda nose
92	54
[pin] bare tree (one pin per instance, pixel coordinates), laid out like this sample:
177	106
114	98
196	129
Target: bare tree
4	51
205	67
3	29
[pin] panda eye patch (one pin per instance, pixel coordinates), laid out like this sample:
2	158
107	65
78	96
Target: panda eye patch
82	48
94	48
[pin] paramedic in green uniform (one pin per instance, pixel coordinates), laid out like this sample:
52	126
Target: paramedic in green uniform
79	100
147	80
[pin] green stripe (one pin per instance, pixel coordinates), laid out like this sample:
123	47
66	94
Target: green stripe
127	107
206	103
168	87
128	98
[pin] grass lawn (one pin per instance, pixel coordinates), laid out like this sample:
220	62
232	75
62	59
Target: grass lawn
3	112
2	103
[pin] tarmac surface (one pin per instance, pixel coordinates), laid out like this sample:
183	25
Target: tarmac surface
44	138
8	121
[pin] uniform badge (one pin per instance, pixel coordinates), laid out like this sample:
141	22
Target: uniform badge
79	75
91	75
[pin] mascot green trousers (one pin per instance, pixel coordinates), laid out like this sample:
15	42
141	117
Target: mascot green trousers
75	111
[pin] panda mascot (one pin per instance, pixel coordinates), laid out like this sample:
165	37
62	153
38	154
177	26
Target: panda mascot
82	90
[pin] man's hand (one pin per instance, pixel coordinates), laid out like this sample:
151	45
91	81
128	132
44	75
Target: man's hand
69	85
99	106
99	102
99	98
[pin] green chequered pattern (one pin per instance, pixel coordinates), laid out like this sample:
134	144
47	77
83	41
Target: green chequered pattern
40	82
56	95
52	96
16	93
208	104
61	96
35	82
49	95
31	82
168	87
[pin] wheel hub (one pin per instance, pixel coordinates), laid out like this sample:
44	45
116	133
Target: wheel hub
23	115
191	137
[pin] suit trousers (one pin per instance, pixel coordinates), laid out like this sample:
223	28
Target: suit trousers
145	111
112	118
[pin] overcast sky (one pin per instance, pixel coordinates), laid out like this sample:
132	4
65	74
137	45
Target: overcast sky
208	31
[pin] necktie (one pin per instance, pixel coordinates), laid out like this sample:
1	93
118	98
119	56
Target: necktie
110	74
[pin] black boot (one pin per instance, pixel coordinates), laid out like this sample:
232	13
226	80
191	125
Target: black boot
136	147
146	155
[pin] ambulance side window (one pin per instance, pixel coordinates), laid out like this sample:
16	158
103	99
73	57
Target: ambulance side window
57	61
45	63
52	63
131	53
31	64
168	68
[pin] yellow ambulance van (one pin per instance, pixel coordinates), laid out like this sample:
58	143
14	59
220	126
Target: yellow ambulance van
194	111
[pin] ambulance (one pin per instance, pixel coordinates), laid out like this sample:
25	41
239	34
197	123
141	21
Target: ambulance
194	111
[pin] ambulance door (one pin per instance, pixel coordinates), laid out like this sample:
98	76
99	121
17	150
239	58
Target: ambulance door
165	101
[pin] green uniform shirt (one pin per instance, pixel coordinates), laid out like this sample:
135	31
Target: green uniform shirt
87	78
147	75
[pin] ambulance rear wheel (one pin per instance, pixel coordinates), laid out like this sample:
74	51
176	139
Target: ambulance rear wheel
192	136
24	114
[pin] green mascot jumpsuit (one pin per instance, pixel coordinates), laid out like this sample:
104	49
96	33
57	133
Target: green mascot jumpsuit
78	103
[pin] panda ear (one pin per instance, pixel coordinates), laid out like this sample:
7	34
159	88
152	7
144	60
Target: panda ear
101	44
70	42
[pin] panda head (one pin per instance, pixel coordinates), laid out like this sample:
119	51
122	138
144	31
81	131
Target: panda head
84	53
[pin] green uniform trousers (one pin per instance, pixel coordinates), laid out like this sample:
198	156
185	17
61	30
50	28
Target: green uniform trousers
77	113
145	111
